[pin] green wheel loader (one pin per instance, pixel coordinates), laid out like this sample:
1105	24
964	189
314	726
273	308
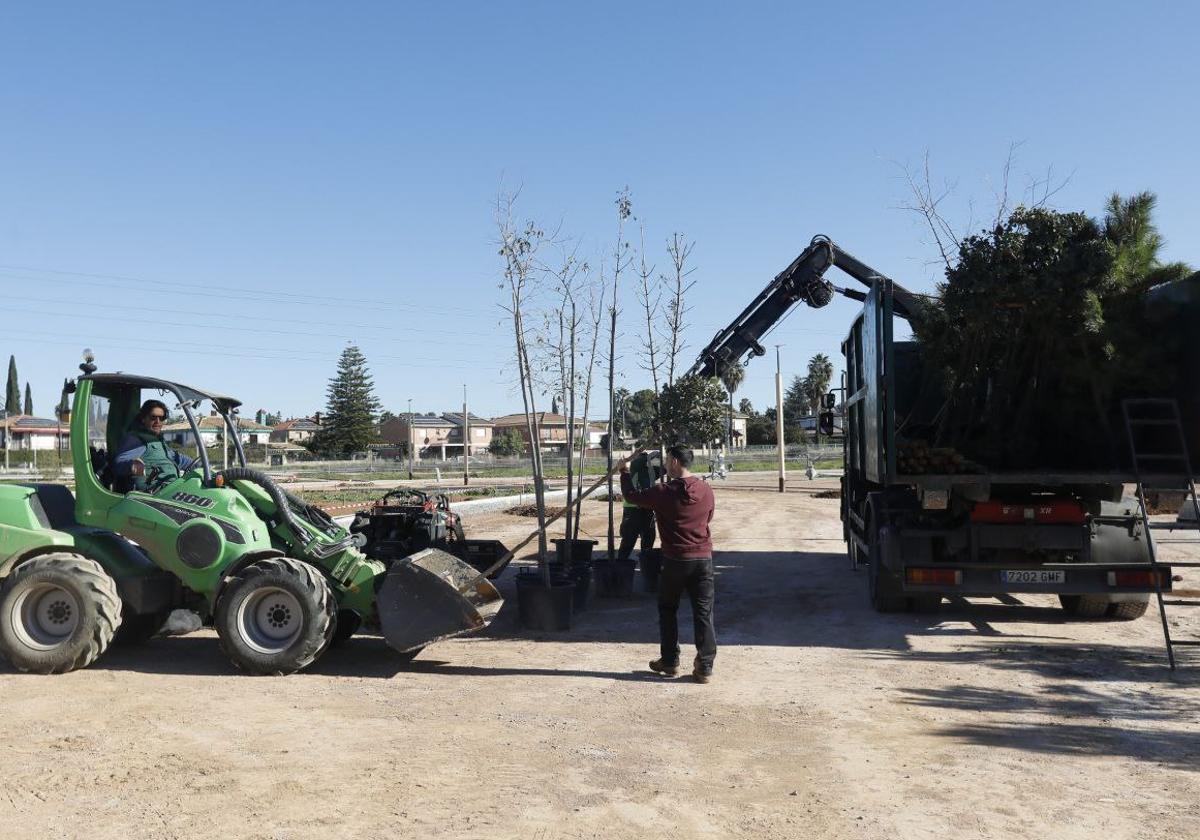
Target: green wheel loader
278	578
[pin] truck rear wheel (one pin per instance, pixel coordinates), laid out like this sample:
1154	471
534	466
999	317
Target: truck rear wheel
275	616
1128	610
1085	606
58	612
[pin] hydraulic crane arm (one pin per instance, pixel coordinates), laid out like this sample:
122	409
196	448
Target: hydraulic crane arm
803	280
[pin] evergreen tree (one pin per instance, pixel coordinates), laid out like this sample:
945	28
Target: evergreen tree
12	401
796	402
351	406
64	403
28	400
260	416
693	411
746	407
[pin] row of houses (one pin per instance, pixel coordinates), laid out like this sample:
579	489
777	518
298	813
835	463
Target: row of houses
429	435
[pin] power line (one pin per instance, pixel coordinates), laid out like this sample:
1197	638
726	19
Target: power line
229	292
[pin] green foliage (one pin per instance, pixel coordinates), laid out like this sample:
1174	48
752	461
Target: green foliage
507	443
692	411
796	403
1039	326
1129	226
637	415
385	416
760	429
28	400
12	402
746	407
349	423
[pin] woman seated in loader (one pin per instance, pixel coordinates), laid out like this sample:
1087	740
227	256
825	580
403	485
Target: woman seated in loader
143	456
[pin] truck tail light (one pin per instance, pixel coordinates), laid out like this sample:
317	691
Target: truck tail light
1143	579
937	577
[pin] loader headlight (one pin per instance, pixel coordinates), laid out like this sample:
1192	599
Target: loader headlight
199	544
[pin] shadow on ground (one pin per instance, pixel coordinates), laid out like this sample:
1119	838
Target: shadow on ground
792	599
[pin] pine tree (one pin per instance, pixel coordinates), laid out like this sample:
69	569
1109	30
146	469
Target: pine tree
12	402
351	406
28	401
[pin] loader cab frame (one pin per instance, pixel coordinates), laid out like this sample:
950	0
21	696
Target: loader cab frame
92	450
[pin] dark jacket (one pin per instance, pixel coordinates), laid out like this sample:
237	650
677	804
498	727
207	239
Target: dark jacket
152	451
683	508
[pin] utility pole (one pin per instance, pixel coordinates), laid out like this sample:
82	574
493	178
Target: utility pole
410	439
779	418
466	427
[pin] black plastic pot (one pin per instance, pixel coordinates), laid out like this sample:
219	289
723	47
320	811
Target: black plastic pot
581	575
581	551
651	564
545	608
613	578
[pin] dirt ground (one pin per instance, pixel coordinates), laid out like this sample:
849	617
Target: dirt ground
984	720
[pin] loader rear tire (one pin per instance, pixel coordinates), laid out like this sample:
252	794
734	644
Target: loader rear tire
275	616
58	612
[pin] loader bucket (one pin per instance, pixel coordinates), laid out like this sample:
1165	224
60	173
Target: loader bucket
432	595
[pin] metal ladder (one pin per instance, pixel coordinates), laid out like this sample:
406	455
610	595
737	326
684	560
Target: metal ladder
1169	467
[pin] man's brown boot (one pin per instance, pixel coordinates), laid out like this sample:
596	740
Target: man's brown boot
700	673
664	668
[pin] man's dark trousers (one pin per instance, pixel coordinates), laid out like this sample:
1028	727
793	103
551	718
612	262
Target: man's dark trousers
695	576
636	523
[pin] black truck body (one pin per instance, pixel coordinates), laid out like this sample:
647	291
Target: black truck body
922	537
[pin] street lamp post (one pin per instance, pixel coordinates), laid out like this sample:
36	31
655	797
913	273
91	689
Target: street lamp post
779	418
410	440
466	427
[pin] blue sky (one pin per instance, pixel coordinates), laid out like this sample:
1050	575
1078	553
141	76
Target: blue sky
227	194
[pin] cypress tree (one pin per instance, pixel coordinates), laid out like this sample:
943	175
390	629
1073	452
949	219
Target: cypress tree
351	406
28	400
12	401
64	404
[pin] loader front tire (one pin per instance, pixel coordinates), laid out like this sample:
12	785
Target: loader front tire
58	612
275	616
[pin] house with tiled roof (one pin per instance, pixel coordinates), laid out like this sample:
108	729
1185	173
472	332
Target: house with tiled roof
296	430
553	429
24	432
212	428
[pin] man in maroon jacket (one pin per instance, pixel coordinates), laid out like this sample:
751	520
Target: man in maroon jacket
683	507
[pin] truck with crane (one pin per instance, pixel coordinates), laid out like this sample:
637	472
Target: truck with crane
925	528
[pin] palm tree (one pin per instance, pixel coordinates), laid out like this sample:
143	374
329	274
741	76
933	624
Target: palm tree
731	376
820	371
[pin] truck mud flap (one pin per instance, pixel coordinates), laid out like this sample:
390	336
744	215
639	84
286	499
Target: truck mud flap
432	595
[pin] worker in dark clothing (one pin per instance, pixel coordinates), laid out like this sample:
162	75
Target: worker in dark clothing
637	524
143	455
684	508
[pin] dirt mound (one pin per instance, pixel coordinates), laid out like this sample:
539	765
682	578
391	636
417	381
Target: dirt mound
828	494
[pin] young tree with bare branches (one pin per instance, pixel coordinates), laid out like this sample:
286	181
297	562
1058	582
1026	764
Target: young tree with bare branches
518	248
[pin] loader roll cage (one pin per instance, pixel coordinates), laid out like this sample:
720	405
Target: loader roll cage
109	385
